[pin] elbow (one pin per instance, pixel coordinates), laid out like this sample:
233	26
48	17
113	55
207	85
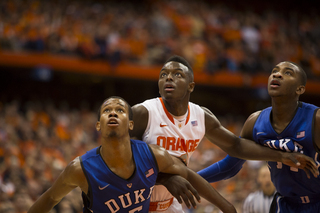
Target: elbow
237	150
234	151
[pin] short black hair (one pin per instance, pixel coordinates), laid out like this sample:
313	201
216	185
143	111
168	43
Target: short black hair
117	97
181	60
303	75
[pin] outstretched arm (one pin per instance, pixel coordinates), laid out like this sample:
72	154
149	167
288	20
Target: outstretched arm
69	179
173	165
223	169
248	149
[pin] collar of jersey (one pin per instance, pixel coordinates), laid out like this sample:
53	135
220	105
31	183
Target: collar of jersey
170	116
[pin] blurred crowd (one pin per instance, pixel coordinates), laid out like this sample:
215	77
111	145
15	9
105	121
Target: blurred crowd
210	35
38	139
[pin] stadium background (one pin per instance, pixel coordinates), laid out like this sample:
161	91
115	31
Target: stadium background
60	59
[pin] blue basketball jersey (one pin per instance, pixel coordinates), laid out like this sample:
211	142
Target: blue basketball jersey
296	137
108	192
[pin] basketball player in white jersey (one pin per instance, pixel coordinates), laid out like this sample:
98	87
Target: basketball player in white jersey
179	125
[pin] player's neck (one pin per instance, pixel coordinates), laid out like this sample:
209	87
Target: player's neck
116	152
176	108
283	111
120	160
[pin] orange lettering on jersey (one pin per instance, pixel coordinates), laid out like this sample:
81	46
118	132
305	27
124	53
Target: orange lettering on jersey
190	145
195	145
161	141
184	145
171	142
179	145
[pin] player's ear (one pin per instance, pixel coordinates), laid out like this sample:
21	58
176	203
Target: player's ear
98	126
301	89
191	86
131	125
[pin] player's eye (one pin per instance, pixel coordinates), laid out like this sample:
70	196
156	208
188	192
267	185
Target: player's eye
163	75
288	73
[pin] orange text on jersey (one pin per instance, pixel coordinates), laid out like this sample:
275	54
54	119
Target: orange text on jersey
180	144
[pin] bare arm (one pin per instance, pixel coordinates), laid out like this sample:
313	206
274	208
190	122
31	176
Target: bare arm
140	119
172	165
235	146
71	177
248	149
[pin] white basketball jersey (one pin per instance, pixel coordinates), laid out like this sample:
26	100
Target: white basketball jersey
179	139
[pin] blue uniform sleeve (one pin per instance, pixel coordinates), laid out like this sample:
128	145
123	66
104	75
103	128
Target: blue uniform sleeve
223	169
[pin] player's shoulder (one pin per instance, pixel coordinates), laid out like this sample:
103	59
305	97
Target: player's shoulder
141	109
247	128
206	110
74	166
158	151
253	117
251	120
138	107
308	105
318	113
73	173
147	102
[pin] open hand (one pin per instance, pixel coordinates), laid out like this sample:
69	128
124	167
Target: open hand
181	189
301	161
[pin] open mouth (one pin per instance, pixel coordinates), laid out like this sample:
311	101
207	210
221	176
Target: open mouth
275	83
168	87
113	121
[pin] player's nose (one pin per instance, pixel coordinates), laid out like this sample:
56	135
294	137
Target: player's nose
113	114
277	75
169	77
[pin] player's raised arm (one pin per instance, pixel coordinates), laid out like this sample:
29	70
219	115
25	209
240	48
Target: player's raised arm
173	165
71	177
248	149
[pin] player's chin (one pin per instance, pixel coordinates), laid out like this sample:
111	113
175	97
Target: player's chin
113	134
274	93
168	95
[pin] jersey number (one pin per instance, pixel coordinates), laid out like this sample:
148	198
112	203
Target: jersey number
294	169
305	199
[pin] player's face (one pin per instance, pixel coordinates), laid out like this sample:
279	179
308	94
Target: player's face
114	118
284	80
175	81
